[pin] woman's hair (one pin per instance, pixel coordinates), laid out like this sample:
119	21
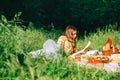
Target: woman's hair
69	31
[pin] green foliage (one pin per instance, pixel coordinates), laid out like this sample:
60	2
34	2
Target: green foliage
15	63
99	38
84	14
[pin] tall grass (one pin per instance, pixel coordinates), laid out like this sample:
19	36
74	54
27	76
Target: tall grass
99	38
15	64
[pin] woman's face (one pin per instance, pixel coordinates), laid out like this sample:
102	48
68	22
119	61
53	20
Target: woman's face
74	34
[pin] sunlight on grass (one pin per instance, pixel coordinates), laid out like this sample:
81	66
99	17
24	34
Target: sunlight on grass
15	43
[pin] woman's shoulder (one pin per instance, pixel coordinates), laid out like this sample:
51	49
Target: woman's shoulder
63	37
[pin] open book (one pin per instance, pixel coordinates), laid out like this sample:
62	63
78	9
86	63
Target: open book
87	46
82	51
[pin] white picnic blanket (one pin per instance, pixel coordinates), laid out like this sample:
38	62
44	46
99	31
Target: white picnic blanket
109	67
112	66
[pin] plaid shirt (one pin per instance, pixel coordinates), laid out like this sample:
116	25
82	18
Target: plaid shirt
67	46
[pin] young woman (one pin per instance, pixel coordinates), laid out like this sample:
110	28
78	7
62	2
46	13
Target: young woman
68	42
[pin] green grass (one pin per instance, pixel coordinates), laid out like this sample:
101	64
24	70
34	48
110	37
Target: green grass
15	64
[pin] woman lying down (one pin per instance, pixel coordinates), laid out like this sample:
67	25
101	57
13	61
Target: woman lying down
66	42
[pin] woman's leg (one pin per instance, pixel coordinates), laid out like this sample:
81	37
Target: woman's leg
34	54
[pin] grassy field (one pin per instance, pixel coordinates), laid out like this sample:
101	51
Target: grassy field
15	64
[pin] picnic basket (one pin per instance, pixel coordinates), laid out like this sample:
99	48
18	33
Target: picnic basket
109	52
106	52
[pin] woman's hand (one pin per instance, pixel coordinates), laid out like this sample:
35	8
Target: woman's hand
82	51
77	53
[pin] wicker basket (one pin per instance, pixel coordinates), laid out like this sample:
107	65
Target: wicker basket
109	52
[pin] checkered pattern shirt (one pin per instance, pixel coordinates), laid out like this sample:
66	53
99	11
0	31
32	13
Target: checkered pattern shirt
66	45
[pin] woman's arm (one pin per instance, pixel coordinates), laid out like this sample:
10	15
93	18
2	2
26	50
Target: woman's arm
81	51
